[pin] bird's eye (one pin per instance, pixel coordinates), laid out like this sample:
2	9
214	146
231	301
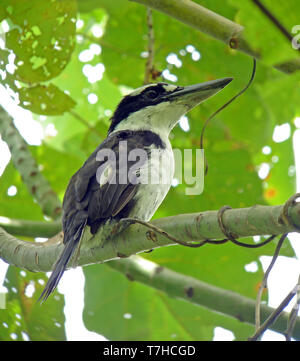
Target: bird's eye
151	94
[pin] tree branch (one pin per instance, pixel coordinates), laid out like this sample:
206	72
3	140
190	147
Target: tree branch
197	292
213	24
241	222
28	228
149	63
24	162
188	227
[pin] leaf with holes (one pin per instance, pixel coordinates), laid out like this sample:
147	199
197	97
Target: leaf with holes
45	99
41	36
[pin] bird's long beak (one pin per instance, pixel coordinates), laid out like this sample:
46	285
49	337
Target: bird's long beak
194	94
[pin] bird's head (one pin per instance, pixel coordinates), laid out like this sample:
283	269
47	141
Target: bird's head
158	107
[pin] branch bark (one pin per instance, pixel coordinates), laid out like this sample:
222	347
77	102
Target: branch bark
240	222
28	228
151	274
40	256
24	162
213	24
188	227
150	58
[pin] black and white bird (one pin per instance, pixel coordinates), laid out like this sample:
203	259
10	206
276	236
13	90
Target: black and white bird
110	188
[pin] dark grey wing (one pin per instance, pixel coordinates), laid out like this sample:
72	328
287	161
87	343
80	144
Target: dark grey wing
86	202
88	197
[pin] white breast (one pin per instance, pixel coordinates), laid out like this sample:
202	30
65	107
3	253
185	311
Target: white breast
155	178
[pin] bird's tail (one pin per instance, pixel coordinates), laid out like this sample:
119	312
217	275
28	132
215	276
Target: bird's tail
61	264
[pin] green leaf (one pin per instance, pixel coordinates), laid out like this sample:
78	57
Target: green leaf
2	12
42	38
58	167
270	43
23	317
45	99
280	183
282	90
3	58
121	309
73	130
22	204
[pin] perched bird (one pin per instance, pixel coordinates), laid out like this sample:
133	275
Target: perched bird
112	184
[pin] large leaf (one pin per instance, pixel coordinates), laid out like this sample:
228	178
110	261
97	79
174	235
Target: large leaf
21	205
121	309
90	120
46	100
42	37
24	318
57	166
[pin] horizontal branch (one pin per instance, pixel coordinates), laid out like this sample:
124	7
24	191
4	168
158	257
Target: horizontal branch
240	222
197	292
28	228
257	220
213	24
26	165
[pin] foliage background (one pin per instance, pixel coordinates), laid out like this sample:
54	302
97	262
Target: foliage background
57	67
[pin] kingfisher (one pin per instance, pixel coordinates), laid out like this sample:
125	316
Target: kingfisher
114	183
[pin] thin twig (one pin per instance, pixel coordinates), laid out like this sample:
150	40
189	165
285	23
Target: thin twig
223	107
272	318
150	59
293	314
215	25
195	245
99	41
167	235
85	122
249	245
273	19
230	237
264	281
